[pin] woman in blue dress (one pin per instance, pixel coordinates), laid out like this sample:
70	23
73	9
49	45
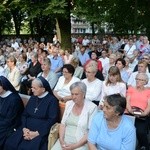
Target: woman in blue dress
39	115
11	107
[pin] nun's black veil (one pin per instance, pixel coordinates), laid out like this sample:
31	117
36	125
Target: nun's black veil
46	85
7	86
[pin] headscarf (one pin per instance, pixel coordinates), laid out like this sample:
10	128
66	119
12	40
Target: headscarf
6	84
45	85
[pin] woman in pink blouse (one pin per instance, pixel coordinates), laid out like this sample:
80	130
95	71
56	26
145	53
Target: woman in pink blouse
138	104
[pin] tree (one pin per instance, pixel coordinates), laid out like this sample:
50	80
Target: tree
5	19
61	10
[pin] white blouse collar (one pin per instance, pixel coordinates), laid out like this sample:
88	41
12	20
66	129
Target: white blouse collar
43	95
7	93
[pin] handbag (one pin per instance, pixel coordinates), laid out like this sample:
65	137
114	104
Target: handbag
137	112
53	135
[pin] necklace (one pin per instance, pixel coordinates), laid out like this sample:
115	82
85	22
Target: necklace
37	105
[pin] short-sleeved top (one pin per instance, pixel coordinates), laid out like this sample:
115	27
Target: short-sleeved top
93	89
109	89
64	89
121	138
138	99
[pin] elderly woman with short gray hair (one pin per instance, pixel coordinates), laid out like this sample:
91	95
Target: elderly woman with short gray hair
111	129
138	104
76	120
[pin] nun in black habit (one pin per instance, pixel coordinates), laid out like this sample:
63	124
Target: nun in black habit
39	115
11	108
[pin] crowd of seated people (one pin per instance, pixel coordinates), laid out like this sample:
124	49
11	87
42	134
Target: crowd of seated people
116	80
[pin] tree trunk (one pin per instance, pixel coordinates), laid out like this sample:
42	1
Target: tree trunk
64	32
135	17
17	22
31	27
93	29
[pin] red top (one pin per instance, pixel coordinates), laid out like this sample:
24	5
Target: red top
138	99
99	64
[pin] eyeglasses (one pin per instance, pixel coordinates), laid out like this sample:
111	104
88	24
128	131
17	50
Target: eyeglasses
145	58
138	79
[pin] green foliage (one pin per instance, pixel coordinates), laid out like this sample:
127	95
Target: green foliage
55	7
123	16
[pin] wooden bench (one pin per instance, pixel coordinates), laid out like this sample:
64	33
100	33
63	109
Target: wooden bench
25	99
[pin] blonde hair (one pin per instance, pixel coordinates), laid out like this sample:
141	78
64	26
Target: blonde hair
113	70
92	65
74	62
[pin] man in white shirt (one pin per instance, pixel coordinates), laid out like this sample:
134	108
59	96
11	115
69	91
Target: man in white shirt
14	44
129	48
85	41
104	59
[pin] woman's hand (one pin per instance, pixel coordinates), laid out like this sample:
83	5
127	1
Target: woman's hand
26	133
130	110
30	77
33	134
143	114
68	147
29	135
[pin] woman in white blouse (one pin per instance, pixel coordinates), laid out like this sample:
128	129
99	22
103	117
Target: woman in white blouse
94	85
62	88
113	84
76	120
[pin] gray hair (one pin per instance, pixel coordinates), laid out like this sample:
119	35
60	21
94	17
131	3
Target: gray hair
80	85
117	101
38	81
146	54
144	75
92	65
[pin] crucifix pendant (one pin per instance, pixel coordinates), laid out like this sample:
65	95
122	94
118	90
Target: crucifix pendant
35	109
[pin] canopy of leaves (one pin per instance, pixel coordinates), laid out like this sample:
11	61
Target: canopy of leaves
127	16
